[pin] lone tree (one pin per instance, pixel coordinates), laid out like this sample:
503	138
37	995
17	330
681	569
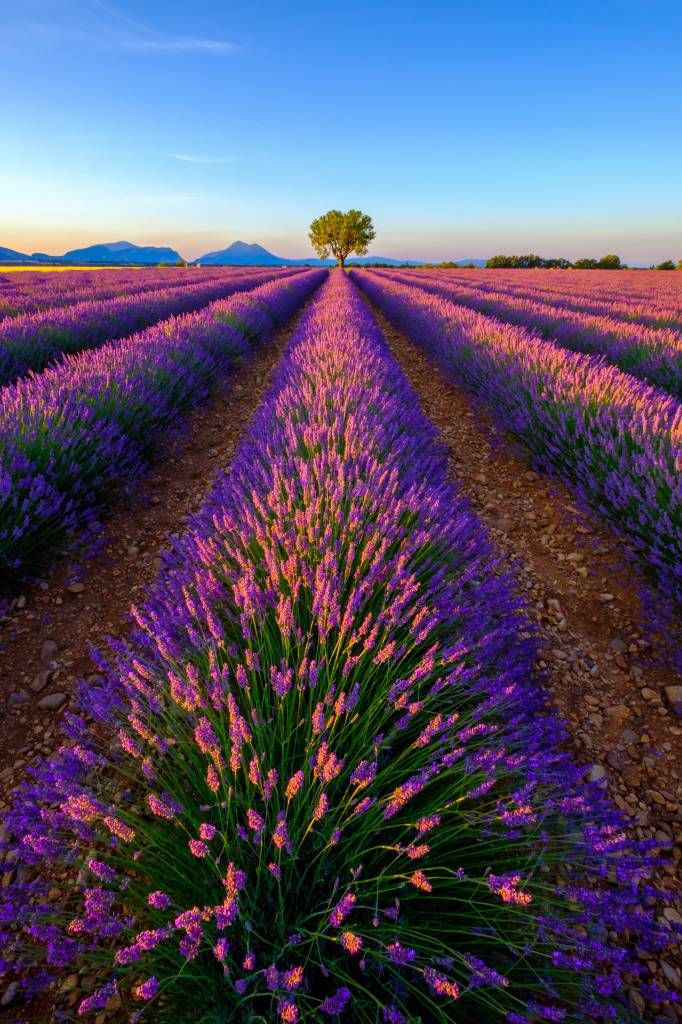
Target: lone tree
341	234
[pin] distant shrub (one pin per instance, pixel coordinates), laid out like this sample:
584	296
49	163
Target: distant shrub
611	262
529	261
585	264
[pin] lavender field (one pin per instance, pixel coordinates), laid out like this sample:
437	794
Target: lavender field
370	747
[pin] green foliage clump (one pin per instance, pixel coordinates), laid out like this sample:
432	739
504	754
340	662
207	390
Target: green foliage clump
341	234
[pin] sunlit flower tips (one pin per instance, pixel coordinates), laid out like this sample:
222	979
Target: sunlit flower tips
342	909
159	900
221	950
351	942
294	785
84	808
292	979
146	989
98	999
440	985
249	962
207	832
280	836
212	779
400	954
288	1011
506	886
255	820
198	848
119	829
161	808
321	807
419	880
415	851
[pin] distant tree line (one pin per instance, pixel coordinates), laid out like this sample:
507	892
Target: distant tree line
610	262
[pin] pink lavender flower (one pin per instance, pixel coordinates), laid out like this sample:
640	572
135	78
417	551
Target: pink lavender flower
294	785
280	836
321	807
292	978
159	900
288	1011
146	989
159	807
440	984
506	886
400	954
198	849
255	821
221	950
342	909
351	942
420	881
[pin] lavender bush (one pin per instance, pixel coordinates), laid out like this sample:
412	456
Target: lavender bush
618	441
653	354
70	434
655	300
335	790
30	291
34	340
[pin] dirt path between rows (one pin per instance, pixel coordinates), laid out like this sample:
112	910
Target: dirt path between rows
585	603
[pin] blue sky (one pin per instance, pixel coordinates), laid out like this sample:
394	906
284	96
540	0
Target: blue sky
463	129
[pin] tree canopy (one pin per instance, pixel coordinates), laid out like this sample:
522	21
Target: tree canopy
341	234
611	262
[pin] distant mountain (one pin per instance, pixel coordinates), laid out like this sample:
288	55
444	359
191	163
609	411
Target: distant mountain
245	254
121	252
105	252
11	255
476	262
239	254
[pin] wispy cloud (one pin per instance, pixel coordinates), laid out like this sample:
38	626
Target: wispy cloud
190	158
103	22
136	35
179	44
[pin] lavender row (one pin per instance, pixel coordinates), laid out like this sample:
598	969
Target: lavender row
650	354
33	292
618	441
650	306
334	788
33	341
68	435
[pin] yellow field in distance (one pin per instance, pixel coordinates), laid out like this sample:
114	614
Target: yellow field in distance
55	268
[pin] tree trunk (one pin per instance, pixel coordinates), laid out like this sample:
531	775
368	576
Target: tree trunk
342	260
